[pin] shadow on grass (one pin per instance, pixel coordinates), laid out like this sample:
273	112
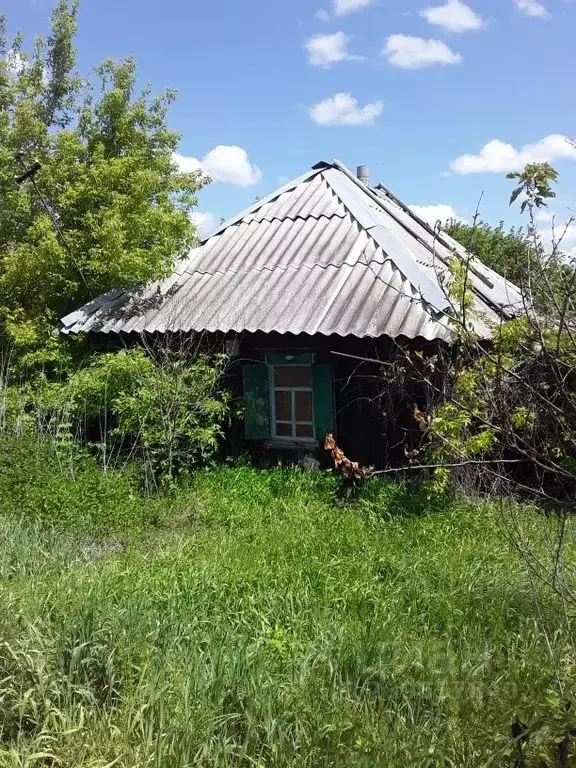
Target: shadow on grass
385	498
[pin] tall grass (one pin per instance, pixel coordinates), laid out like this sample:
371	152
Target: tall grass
67	487
259	624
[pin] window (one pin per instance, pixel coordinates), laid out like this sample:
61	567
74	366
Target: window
292	401
288	397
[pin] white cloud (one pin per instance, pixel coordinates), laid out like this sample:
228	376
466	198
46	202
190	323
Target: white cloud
324	50
543	216
499	157
454	16
343	109
322	15
409	52
16	63
228	164
186	164
343	7
561	235
532	8
205	223
433	213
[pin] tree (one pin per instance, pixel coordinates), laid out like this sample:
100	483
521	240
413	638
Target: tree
518	256
506	252
107	206
500	419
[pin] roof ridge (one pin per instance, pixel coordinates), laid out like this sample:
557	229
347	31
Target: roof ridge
263	201
440	236
398	202
367	219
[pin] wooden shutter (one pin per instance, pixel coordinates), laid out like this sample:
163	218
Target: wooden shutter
256	402
323	377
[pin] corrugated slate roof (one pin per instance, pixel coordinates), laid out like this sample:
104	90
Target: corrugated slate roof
323	254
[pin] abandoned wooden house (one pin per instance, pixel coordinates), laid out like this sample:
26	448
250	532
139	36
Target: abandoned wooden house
299	288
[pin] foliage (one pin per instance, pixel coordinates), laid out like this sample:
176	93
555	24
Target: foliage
501	414
162	405
514	397
266	627
171	409
518	254
534	183
177	414
508	253
107	208
38	481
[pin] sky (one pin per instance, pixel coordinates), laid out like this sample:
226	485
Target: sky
439	98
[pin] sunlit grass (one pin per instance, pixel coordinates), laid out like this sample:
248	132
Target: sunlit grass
262	624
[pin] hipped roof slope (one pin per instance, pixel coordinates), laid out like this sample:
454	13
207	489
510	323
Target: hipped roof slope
324	254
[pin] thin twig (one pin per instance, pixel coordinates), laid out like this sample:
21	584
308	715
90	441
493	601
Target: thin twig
447	466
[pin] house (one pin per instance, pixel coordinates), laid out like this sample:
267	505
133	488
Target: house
303	287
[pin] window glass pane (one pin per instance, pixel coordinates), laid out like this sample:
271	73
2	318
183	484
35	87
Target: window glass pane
293	376
304	430
303	406
283	430
284	406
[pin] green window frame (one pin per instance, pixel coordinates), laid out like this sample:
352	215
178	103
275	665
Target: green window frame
256	402
291	426
260	411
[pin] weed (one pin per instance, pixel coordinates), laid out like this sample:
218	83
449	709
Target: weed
259	624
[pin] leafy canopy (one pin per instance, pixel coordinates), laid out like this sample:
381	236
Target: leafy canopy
534	183
515	398
507	252
108	206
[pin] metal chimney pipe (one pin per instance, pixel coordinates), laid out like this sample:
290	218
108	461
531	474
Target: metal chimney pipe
363	174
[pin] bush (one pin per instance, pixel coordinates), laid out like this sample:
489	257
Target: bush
161	404
39	481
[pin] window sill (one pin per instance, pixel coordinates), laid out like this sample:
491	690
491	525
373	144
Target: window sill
309	443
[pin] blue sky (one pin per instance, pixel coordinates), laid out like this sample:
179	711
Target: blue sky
415	89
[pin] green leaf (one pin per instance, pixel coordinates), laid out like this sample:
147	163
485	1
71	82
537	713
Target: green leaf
515	195
115	208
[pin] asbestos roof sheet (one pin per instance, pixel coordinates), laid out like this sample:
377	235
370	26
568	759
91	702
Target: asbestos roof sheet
324	254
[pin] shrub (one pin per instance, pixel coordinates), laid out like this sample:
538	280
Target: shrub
39	481
162	404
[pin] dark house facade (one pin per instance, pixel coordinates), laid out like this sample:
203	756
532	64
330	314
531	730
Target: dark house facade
306	289
298	389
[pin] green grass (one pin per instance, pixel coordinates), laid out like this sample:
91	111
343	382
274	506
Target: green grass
259	624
